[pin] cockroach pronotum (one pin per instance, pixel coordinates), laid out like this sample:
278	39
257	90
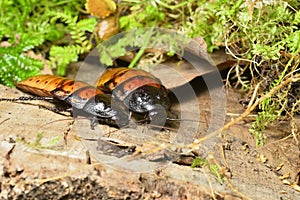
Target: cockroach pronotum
140	92
79	95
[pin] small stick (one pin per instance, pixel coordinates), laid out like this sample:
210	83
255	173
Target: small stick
248	111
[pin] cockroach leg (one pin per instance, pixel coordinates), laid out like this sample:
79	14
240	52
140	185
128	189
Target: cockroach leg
93	123
88	157
57	110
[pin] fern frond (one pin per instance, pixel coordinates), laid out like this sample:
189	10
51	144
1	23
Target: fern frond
30	41
37	25
86	24
61	56
15	67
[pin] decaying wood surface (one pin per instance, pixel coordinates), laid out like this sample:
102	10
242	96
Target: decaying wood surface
33	170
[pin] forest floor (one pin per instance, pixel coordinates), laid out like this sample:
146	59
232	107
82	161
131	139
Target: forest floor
45	155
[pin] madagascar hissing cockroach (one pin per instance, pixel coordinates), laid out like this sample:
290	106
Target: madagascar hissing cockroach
140	91
79	95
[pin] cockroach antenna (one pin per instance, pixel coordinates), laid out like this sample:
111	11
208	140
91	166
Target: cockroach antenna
27	98
175	119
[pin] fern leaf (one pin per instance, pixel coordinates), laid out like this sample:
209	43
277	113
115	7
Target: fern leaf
61	56
86	24
16	67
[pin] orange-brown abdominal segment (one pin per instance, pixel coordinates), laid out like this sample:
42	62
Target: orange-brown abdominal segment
80	97
113	77
109	79
125	88
55	86
88	92
70	86
41	85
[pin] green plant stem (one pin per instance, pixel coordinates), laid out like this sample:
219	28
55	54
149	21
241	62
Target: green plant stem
142	49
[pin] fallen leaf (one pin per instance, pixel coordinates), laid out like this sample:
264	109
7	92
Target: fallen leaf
100	8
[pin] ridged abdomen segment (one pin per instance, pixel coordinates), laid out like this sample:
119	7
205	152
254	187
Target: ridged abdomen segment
113	77
40	85
44	85
136	88
78	98
76	93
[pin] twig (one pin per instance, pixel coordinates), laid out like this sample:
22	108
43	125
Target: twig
254	95
258	101
4	120
295	78
234	56
41	181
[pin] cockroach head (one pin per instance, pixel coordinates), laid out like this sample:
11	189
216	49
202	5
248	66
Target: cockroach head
104	108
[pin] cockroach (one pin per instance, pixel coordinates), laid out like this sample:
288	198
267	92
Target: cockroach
79	95
140	91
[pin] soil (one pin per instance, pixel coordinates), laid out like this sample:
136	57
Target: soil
46	155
